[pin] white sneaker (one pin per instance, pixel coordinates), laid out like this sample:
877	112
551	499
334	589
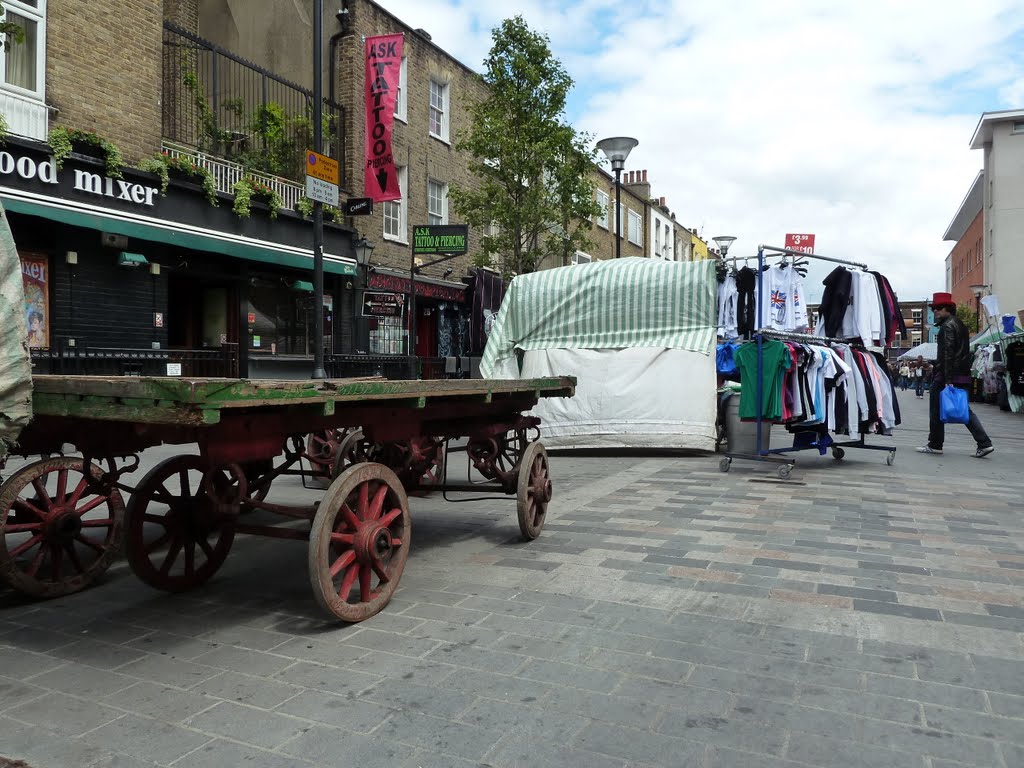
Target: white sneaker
928	449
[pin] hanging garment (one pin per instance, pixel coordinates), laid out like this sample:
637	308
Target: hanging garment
1014	359
746	317
834	301
775	358
728	297
867	309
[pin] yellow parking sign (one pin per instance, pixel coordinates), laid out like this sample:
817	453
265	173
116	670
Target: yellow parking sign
321	167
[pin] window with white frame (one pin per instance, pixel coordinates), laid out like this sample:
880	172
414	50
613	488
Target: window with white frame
437	202
402	96
657	239
1018	126
24	63
602	202
395	211
439	110
667	242
634	232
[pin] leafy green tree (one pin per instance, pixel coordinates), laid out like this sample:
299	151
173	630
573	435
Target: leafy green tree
967	316
535	192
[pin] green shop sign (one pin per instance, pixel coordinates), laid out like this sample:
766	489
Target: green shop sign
449	239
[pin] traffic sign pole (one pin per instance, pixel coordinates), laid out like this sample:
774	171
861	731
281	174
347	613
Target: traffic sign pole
318	207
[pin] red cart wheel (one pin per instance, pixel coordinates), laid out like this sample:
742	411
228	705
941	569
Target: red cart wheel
360	535
533	490
178	534
58	532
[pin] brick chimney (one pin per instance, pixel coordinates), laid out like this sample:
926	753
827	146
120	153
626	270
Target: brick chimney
637	183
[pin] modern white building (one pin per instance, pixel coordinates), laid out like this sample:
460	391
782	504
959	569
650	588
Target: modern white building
1000	135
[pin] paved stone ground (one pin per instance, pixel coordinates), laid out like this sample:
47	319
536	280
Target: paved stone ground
670	615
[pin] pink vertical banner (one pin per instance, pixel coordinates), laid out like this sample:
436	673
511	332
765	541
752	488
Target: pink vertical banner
383	67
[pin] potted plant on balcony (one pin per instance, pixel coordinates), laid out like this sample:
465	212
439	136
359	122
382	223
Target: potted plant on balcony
304	207
169	167
63	141
248	190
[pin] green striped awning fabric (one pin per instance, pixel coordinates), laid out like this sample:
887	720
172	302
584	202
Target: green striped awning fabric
632	302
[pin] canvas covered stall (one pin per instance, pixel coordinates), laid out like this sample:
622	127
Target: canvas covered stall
15	365
638	335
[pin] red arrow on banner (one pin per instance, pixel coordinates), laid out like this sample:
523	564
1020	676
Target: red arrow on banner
382	180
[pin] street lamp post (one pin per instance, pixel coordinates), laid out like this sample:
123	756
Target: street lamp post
724	242
617	149
318	208
363	250
977	290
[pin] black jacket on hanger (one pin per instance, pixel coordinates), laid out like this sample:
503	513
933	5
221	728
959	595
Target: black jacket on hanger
745	319
835	299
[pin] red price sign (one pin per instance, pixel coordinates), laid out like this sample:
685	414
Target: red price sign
803	243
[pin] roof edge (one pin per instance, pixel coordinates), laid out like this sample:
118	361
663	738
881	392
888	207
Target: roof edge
969	208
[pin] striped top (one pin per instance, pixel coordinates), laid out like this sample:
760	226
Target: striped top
631	302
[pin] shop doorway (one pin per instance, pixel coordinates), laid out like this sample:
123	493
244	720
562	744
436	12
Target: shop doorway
202	323
426	331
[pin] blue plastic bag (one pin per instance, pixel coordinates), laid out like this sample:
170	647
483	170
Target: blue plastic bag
953	408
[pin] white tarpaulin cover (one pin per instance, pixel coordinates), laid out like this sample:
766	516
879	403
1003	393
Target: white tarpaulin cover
636	333
15	365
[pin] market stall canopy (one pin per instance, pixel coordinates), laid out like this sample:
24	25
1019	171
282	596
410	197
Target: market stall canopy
15	365
991	335
615	304
929	350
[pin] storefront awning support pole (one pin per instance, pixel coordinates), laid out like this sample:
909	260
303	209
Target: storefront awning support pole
318	207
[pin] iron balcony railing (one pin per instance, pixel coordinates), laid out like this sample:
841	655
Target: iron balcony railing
222	106
120	361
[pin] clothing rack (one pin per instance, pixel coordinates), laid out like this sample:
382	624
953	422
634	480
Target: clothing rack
774	455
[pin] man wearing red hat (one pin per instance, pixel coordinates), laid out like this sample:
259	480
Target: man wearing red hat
953	366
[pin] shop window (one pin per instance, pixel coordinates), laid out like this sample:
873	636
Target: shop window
387	335
281	317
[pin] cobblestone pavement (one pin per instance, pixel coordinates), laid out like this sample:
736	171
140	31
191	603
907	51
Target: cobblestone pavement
669	615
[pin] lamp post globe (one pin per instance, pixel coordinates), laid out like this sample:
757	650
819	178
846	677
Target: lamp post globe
617	149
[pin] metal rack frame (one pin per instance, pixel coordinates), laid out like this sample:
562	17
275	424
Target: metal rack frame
774	455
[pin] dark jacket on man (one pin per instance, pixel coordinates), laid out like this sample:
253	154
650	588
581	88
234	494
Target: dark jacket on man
953	363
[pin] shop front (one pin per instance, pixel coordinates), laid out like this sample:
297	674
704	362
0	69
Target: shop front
123	279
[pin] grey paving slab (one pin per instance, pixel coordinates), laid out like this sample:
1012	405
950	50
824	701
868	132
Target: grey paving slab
629	743
537	719
525	750
436	734
340	711
328	746
64	714
14	693
247	724
246	689
220	753
159	701
80	680
147	739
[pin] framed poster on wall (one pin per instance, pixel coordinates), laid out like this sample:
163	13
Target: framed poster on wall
35	274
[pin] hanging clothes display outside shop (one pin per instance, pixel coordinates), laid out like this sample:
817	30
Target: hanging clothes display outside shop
816	385
780	284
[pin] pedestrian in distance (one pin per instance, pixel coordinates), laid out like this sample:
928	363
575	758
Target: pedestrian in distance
952	366
904	375
919	374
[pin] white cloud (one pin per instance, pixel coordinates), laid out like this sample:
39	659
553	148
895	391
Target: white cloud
849	120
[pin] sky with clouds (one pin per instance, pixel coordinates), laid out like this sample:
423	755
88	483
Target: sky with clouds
756	118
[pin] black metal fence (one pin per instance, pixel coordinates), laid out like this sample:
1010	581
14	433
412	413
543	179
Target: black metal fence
116	361
392	367
224	105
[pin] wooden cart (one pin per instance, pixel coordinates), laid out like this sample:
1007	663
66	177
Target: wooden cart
62	518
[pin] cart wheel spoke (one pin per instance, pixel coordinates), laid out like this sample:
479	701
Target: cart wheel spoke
346	583
25	546
365	574
342	538
62	485
42	493
377	506
343	562
27	506
22	527
172	555
381	571
349	517
90	505
183	480
363	507
190	558
98	523
69	547
56	558
160	520
90	543
37	561
79	490
390	517
396	542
